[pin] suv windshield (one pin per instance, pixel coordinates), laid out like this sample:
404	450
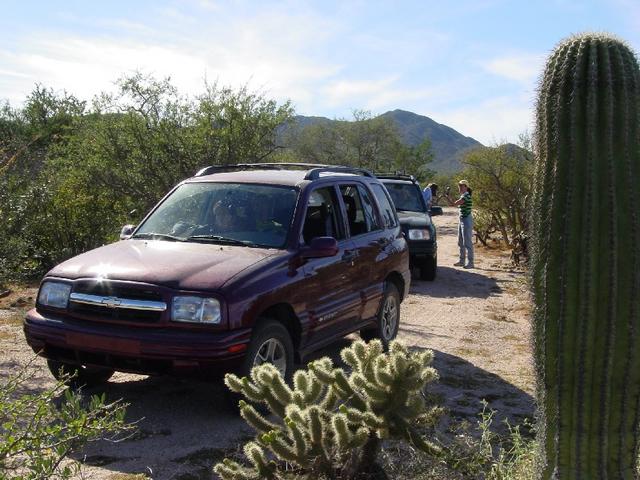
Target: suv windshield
406	196
225	213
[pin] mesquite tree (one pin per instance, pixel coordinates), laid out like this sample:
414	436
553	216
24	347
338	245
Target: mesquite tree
586	260
332	423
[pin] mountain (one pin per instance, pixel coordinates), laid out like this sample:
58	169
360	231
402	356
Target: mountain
448	145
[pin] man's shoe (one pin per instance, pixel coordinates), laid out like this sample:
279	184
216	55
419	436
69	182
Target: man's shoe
468	266
459	264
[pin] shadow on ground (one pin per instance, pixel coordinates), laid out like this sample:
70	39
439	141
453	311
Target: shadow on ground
456	282
463	387
185	425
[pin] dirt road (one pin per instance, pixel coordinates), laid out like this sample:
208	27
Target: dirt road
476	321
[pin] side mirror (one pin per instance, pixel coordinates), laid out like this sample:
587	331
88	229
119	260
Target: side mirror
126	231
320	247
436	211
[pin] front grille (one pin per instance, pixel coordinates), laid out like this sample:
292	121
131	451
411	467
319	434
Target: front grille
119	290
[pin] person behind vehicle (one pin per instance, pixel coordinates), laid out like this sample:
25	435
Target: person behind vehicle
434	192
465	226
427	194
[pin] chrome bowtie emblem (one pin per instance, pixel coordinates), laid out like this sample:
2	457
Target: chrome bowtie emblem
111	302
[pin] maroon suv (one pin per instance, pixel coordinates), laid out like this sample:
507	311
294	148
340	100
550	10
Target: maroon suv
237	266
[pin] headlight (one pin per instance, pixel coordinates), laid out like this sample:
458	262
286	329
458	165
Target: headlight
54	294
419	235
195	309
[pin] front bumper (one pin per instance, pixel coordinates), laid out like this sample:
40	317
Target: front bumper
419	250
146	351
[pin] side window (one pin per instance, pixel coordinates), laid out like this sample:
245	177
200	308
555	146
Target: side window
386	208
360	221
369	210
321	219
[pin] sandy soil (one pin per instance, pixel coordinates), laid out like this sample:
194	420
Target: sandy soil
476	321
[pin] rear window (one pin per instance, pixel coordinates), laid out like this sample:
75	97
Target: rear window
386	208
406	197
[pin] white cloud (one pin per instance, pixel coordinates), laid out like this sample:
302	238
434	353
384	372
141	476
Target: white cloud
355	91
287	52
85	67
494	120
268	51
522	67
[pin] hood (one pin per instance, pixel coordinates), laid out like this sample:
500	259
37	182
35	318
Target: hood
414	219
178	265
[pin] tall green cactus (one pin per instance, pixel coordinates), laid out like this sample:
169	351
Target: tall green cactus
586	260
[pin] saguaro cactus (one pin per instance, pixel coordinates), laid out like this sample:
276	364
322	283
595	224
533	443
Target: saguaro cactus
586	260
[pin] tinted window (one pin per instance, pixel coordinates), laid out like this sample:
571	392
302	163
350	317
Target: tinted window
360	221
369	210
321	219
252	214
386	208
406	196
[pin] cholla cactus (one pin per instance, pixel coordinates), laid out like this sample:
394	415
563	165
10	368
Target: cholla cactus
332	422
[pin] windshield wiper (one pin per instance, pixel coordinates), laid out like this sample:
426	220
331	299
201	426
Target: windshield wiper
219	239
158	236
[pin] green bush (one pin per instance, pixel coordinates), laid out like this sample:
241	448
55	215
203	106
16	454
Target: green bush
331	423
38	431
70	174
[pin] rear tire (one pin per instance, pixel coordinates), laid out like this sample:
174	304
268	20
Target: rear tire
429	268
388	318
81	375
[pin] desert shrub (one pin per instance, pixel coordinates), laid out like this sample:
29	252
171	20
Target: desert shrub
38	431
469	451
502	179
330	424
70	174
487	454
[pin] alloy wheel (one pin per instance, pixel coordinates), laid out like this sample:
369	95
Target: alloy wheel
272	351
389	317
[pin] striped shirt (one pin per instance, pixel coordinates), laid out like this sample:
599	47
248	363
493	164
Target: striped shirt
465	206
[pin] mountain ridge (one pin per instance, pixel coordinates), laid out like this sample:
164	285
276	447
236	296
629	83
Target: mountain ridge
447	144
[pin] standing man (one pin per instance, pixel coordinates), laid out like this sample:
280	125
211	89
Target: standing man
427	194
465	227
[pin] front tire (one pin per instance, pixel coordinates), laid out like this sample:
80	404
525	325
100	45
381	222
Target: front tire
388	318
79	375
270	343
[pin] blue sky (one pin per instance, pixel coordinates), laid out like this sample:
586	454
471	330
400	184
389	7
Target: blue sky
472	65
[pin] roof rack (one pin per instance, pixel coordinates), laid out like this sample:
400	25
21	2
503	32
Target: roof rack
313	173
396	176
232	168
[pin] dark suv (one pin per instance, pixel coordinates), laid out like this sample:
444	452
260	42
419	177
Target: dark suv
415	219
237	266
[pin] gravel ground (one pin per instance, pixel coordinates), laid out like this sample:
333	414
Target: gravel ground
476	322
